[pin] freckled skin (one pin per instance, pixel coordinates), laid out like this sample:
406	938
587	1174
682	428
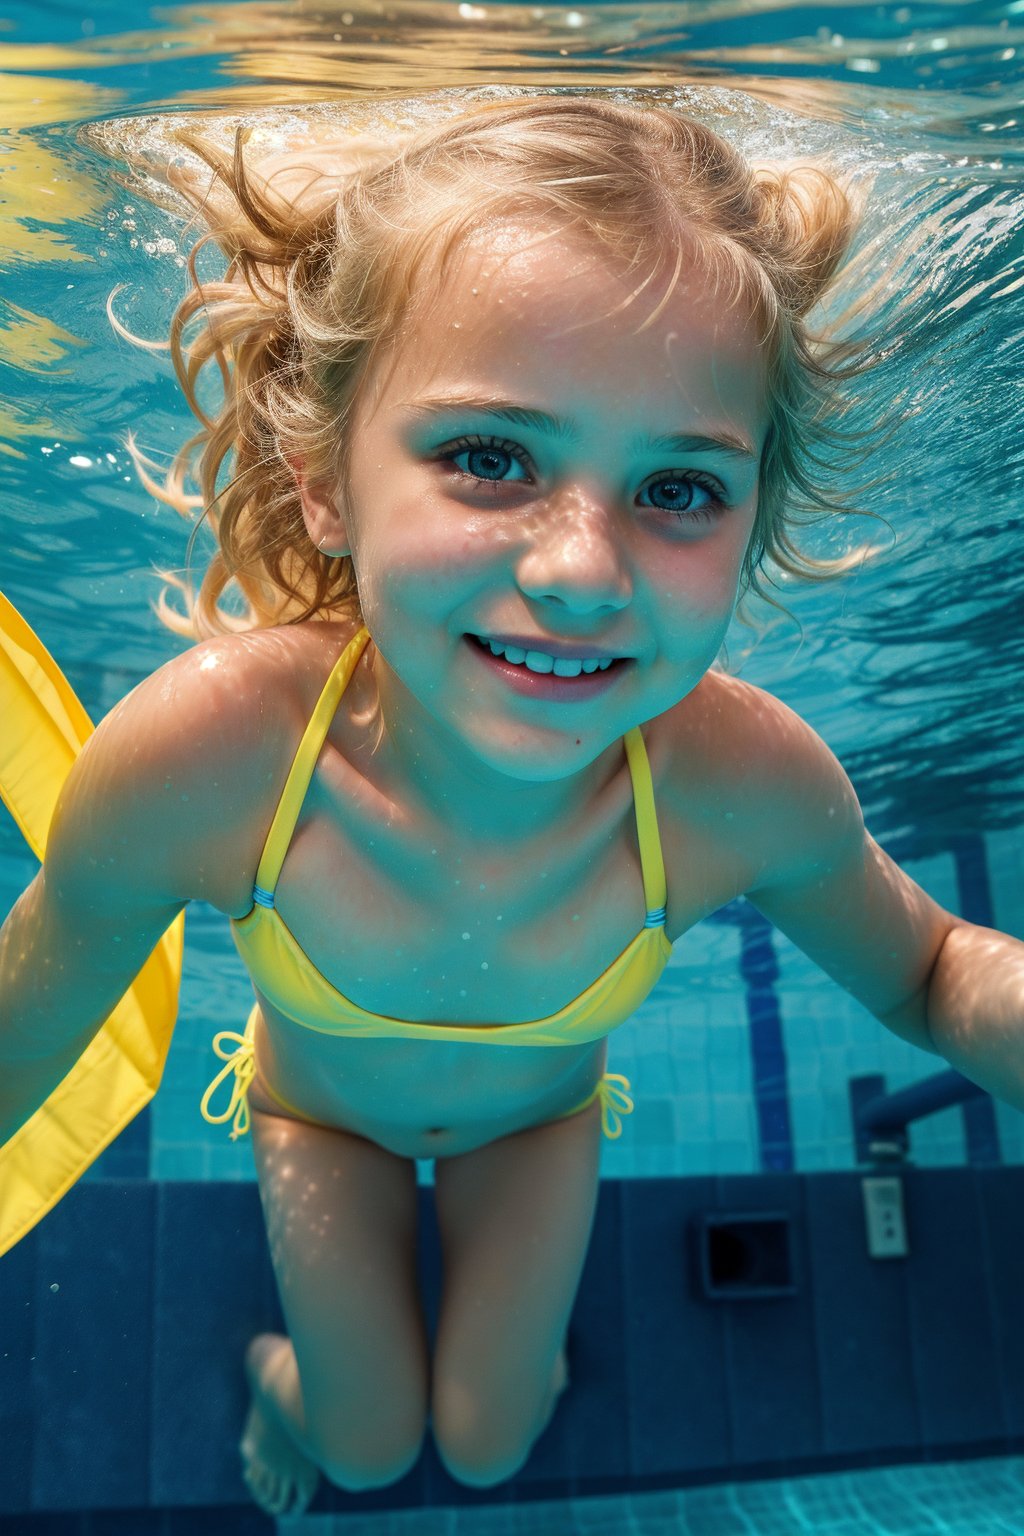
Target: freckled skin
533	806
574	551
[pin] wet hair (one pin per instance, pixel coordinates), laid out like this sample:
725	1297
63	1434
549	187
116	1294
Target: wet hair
317	288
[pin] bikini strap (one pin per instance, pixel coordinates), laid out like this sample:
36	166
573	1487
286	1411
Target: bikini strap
651	862
301	771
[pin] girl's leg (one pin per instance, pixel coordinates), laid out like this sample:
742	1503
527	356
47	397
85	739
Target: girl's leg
515	1219
349	1387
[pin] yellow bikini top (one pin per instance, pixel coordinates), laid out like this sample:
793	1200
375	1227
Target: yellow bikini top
286	976
120	1069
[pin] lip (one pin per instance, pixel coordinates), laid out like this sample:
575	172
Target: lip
545	685
558	648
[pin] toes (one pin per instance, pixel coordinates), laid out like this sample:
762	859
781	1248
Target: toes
277	1496
263	1486
257	1488
283	1502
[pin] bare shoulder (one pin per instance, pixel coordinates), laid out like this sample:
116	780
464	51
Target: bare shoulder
194	757
758	777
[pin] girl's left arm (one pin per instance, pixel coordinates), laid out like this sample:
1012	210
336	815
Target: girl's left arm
948	986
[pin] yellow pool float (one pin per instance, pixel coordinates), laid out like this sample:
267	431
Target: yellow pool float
44	727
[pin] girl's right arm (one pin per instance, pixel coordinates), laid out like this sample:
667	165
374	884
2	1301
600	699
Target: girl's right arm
137	828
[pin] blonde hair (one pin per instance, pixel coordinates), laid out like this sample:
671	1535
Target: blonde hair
315	291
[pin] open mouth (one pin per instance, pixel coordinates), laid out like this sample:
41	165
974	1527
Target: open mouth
540	675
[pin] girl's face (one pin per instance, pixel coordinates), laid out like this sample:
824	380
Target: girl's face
560	525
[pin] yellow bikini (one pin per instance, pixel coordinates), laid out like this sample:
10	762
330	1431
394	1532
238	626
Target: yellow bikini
285	975
238	1053
45	727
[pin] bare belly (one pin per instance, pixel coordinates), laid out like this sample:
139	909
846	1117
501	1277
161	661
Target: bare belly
416	1098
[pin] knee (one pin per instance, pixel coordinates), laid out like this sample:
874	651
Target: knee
359	1469
476	1452
477	1470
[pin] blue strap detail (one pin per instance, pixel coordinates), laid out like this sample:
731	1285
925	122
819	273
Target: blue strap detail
656	917
261	897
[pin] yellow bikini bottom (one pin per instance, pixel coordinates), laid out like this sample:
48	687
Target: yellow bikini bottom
238	1053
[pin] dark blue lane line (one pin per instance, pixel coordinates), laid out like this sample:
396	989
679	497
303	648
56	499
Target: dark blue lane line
974	893
974	888
760	971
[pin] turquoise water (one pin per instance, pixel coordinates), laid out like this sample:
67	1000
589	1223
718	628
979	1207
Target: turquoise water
910	668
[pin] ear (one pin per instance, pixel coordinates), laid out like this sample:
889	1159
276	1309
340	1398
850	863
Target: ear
324	522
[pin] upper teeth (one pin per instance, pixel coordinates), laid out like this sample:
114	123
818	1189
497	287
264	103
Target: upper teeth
540	661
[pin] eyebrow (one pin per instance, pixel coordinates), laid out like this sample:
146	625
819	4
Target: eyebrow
566	429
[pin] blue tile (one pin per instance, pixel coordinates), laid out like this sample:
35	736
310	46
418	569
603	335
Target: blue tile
429	1266
1001	1198
93	1341
952	1342
760	971
771	1361
127	1157
675	1360
974	887
214	1290
981	1132
758	965
218	1521
19	1302
861	1310
44	1525
139	1522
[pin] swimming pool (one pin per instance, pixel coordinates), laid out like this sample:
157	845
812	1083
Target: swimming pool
910	668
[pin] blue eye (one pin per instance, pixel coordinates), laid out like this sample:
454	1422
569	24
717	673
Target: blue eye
685	493
484	449
692	497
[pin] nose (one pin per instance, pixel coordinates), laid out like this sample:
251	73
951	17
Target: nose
575	556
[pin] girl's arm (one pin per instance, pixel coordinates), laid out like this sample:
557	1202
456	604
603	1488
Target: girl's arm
75	940
138	826
69	950
976	1008
948	986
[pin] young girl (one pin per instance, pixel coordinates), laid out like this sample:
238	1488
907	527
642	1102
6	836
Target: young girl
511	413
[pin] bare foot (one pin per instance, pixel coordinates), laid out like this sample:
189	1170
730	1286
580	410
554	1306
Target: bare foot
280	1478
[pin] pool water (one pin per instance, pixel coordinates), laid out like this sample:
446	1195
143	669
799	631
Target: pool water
910	668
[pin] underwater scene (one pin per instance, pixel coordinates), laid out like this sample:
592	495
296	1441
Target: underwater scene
799	1311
